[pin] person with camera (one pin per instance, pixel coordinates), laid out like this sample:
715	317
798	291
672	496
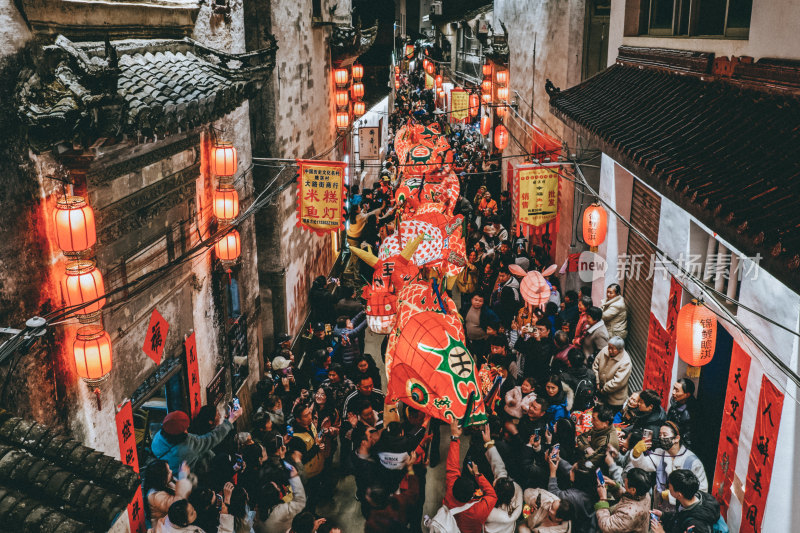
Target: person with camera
182	515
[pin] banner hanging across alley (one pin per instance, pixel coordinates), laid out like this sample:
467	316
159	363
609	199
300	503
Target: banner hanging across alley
320	199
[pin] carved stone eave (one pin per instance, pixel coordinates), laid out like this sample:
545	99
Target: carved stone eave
349	42
96	20
78	92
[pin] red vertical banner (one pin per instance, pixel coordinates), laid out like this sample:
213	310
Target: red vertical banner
673	308
728	448
192	374
762	456
659	361
136	513
126	435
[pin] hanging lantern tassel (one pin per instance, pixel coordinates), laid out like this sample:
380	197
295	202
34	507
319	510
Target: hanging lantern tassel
696	333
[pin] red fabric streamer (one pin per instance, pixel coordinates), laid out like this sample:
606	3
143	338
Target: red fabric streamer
762	456
728	448
660	358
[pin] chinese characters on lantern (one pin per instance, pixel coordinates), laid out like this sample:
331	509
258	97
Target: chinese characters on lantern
321	195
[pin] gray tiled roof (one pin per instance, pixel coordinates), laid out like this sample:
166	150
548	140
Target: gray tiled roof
50	482
91	90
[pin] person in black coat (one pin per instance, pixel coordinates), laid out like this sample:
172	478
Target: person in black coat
650	415
321	300
537	349
682	409
697	509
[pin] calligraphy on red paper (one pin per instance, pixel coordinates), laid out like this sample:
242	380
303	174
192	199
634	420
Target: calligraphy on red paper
156	337
192	374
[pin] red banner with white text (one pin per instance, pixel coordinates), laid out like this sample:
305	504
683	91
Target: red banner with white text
320	198
762	456
659	361
728	448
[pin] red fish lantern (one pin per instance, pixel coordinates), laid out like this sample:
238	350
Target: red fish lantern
534	289
696	333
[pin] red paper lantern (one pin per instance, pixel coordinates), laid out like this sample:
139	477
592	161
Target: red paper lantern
486	125
92	352
84	283
439	80
501	137
359	108
342	98
431	68
342	120
226	204
502	93
75	226
486	98
534	289
223	159
358	90
396	85
228	247
696	333
501	111
341	77
486	86
487	70
425	62
358	72
440	94
501	76
474	104
595	225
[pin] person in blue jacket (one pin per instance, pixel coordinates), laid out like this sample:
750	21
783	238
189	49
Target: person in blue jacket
557	398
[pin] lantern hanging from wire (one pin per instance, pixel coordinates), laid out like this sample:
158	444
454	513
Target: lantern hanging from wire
501	137
342	99
341	77
486	125
358	90
226	204
595	226
501	77
84	284
474	104
92	352
359	108
500	110
228	247
486	86
223	159
502	93
358	72
486	98
487	70
431	68
75	225
439	80
425	62
696	333
342	120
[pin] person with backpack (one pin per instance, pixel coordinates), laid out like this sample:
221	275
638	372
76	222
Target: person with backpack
612	368
580	380
696	508
469	497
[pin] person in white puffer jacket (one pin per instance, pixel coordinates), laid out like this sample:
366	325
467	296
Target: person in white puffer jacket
669	455
503	518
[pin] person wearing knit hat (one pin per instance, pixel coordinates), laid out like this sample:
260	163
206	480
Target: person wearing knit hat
174	444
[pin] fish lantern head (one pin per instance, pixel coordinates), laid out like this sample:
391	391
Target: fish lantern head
389	276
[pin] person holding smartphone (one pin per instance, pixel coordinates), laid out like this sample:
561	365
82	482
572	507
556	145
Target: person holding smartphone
631	514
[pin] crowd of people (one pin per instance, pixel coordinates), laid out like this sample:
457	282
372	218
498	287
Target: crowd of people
568	447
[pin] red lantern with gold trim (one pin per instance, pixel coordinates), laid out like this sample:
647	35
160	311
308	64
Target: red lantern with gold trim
342	98
696	333
358	90
501	77
486	86
438	80
92	352
486	125
500	110
83	284
501	137
226	204
228	247
223	159
486	98
487	70
502	93
358	72
342	120
359	108
341	77
595	225
75	225
431	68
474	104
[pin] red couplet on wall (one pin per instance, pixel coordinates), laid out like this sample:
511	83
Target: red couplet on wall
126	436
136	513
659	361
728	449
192	374
156	337
762	456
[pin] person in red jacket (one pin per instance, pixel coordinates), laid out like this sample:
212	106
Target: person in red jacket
469	488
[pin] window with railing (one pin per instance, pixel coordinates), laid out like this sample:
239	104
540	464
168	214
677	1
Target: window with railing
694	18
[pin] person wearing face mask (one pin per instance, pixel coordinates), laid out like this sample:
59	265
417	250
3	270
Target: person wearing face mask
663	456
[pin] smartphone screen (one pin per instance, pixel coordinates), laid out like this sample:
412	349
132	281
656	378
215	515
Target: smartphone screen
287	465
235	406
600	478
647	433
278	442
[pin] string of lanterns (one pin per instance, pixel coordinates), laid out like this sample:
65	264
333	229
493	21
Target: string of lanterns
225	202
344	96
